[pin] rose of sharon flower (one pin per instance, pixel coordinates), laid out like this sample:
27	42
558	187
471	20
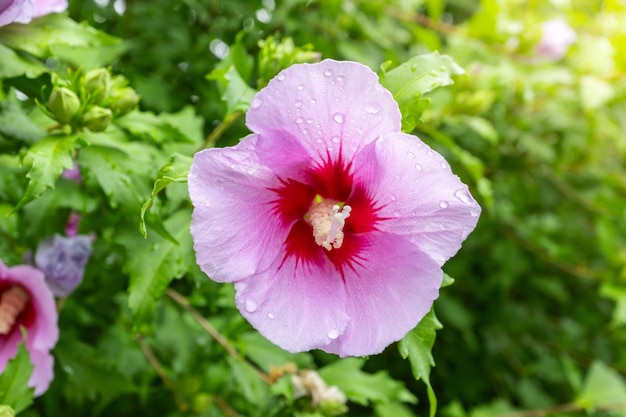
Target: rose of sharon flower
26	300
63	260
22	11
332	224
556	39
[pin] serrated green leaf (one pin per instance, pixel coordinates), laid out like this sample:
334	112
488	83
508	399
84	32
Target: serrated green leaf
155	261
417	346
411	80
364	388
14	390
45	161
235	92
176	170
602	386
58	35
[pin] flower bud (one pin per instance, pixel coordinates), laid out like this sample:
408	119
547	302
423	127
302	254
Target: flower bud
96	84
63	260
63	104
97	118
123	100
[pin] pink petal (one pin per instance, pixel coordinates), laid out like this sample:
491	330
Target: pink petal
314	108
391	288
43	372
295	304
20	11
418	195
42	332
235	231
43	7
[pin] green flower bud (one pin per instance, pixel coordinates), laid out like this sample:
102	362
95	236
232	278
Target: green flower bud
96	84
63	104
6	411
123	100
97	118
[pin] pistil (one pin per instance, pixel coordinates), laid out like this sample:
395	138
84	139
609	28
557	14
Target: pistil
328	220
12	303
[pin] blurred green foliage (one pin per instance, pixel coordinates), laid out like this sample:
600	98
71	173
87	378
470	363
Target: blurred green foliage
535	323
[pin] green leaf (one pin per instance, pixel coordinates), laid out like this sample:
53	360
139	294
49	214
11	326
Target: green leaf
393	410
14	390
46	160
176	170
364	388
417	346
235	92
6	411
58	35
14	123
267	355
90	377
411	80
602	387
155	261
13	64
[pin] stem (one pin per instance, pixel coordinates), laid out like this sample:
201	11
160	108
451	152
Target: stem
226	409
158	368
221	128
212	331
421	20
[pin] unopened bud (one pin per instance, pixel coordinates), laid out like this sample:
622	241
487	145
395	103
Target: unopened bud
97	118
123	100
63	104
96	84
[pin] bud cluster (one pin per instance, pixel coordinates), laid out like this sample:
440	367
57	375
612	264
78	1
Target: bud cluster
91	99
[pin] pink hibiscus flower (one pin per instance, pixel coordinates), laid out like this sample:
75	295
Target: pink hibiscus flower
22	11
332	224
26	300
556	39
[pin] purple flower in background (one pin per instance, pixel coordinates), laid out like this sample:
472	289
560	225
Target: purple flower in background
332	224
63	260
73	174
26	300
556	39
22	11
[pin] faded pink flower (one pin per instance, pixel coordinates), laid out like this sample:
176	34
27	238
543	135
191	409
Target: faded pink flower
22	11
332	224
556	39
26	300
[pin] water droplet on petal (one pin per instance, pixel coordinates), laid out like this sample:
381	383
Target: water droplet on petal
299	120
250	305
309	121
475	212
305	131
463	195
393	197
340	78
281	77
339	118
270	316
333	334
256	103
337	99
411	154
313	101
328	73
335	139
444	165
300	87
240	286
298	104
319	140
251	171
418	167
371	109
443	204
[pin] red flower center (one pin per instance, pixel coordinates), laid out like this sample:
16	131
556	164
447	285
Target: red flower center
326	186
